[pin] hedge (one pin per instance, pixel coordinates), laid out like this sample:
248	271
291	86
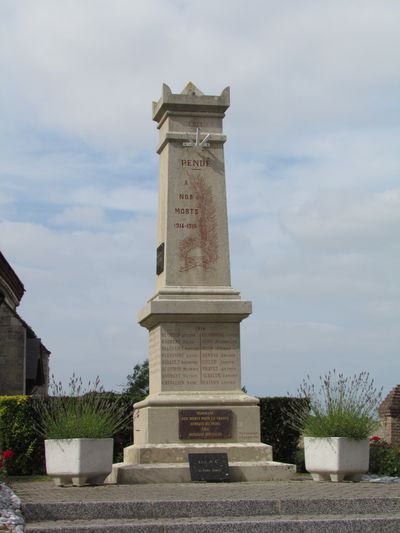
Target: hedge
17	419
384	459
275	427
124	437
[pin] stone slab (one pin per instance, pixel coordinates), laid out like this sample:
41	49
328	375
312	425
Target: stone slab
180	472
195	357
198	399
160	425
361	496
159	310
349	524
178	453
284	506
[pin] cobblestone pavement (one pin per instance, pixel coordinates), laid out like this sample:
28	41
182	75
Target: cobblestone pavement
46	491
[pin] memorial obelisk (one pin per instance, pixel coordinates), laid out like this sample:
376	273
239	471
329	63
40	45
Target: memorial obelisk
195	404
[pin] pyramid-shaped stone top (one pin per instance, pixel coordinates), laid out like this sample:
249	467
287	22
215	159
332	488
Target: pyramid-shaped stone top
191	99
391	404
192	90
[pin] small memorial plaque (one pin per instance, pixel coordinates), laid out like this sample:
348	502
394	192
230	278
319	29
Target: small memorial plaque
160	259
209	466
205	424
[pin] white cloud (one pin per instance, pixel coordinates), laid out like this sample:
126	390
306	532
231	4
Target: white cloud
348	221
314	66
129	198
5	198
91	216
313	174
84	290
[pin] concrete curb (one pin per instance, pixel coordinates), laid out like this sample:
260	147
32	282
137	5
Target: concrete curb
349	524
292	506
180	509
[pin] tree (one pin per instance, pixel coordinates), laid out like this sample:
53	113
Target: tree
138	382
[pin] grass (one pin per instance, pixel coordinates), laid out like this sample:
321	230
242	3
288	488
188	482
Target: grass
340	407
79	412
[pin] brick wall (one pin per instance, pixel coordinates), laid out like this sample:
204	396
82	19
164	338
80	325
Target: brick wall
389	412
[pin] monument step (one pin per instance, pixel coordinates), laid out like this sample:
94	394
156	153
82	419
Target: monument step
351	523
377	511
180	472
299	505
178	453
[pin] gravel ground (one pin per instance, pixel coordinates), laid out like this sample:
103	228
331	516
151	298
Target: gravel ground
11	519
373	478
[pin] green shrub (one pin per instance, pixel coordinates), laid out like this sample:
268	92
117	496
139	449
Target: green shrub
300	461
138	385
79	412
384	459
123	437
17	417
276	429
19	420
340	407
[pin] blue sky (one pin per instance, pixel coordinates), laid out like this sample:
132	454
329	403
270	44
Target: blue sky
312	165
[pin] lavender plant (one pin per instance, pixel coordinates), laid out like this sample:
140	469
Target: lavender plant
340	407
79	412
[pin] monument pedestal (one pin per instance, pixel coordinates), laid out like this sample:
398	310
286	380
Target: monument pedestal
196	404
195	343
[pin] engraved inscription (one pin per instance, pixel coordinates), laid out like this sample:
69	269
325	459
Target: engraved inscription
194	215
195	163
200	356
154	359
209	466
205	424
200	247
195	122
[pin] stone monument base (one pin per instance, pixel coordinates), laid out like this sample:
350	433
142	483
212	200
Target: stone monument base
178	453
156	419
151	461
180	472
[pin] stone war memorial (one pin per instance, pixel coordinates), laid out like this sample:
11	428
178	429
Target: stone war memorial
195	405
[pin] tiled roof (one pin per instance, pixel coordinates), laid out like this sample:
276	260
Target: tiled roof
11	278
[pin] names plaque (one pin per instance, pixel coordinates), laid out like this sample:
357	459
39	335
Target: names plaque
200	356
205	424
209	466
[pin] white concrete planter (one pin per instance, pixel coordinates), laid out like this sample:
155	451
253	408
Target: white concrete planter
79	461
336	458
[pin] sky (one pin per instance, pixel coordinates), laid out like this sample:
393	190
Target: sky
312	169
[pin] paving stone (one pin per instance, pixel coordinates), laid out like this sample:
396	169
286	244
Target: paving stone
287	506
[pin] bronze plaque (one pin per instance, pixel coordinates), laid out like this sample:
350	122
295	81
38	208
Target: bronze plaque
160	259
205	424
